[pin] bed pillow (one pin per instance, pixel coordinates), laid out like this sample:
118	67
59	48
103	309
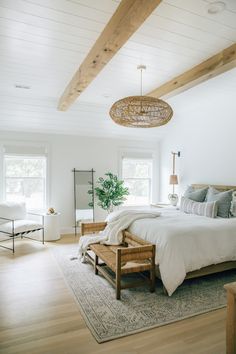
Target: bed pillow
189	206
223	199
198	195
233	204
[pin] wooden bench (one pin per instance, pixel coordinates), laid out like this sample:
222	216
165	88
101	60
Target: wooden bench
133	256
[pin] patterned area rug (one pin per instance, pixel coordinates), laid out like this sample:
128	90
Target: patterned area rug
138	309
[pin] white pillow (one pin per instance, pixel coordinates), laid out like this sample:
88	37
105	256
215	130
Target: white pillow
11	210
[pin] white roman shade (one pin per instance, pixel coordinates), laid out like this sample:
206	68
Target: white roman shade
29	150
137	155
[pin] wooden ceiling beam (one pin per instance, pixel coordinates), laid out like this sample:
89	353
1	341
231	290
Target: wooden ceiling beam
128	17
215	65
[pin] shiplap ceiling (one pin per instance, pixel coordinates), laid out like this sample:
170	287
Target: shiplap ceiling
43	42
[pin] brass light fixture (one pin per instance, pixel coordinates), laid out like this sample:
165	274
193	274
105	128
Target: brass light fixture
141	111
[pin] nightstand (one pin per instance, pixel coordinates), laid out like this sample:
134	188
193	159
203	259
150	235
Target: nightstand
160	205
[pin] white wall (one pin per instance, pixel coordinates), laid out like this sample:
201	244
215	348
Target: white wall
204	131
67	152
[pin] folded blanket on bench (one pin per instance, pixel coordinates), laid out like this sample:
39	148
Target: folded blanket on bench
117	222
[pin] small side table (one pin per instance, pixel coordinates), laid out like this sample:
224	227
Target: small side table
52	227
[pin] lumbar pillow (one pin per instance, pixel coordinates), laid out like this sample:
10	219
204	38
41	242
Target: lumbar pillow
223	199
198	195
189	206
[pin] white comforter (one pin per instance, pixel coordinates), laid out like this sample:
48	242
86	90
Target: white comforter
186	242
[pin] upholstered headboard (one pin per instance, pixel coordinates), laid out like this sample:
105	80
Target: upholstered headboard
220	188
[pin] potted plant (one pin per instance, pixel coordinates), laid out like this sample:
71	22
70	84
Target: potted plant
110	192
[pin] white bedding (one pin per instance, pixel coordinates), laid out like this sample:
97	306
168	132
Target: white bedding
187	242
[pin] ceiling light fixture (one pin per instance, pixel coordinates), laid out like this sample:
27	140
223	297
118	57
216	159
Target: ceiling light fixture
216	7
141	111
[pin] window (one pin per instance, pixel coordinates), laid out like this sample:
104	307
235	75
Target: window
137	175
25	180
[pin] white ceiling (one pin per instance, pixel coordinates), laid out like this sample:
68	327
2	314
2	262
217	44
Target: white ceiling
43	42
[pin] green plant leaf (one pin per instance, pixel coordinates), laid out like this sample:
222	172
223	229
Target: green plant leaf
110	191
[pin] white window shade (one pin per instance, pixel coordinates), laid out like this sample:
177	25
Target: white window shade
137	155
27	150
136	168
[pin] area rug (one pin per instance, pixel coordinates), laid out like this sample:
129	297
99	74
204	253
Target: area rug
138	310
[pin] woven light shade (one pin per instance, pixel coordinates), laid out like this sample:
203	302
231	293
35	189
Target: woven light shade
141	112
173	179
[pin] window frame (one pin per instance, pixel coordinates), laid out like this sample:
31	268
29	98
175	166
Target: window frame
29	148
46	179
139	157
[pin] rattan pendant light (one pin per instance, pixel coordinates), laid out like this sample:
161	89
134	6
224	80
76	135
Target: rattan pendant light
141	111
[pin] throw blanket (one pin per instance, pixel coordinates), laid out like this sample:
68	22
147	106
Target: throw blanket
116	223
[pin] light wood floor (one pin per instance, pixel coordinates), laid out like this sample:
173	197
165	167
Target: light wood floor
38	314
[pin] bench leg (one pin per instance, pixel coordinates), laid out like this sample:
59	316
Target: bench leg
118	273
152	280
118	287
152	271
95	264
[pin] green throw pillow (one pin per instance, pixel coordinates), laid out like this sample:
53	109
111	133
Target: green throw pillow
198	195
223	200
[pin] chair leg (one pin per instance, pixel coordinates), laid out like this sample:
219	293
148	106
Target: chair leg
43	228
13	244
13	236
43	236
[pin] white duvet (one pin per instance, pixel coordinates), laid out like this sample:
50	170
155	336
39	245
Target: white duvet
187	242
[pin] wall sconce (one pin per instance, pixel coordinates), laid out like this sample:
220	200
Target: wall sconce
173	198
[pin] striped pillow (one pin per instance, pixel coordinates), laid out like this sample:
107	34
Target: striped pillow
208	209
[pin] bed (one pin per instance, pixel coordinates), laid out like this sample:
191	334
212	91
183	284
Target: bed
188	245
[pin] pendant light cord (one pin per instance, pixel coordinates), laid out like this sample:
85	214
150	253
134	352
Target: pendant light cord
141	67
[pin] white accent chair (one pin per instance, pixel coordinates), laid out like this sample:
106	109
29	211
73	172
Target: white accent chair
14	223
